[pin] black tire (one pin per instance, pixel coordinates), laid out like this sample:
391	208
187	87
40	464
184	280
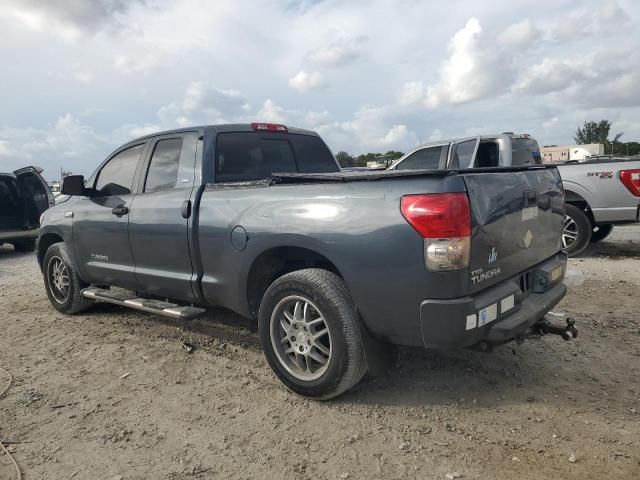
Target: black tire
577	230
326	294
26	245
601	232
70	301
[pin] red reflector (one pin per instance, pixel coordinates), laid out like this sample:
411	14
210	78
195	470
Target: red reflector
269	127
631	180
438	215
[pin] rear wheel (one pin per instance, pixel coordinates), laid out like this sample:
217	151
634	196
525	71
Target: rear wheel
310	333
63	286
576	230
601	232
26	245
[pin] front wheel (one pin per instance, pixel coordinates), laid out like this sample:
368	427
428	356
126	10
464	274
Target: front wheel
576	230
310	333
63	286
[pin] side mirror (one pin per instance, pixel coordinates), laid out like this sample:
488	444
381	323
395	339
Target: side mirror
73	185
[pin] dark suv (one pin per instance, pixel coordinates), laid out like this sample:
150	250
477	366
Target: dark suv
24	196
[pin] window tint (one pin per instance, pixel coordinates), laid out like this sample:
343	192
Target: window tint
163	168
116	177
488	155
245	156
427	158
312	155
462	154
525	152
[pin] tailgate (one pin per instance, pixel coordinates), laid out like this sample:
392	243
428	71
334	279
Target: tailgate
516	220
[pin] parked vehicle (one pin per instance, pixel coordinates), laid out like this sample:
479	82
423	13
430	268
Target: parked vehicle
24	196
332	264
600	192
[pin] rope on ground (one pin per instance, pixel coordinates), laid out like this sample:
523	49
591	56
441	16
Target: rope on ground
4	449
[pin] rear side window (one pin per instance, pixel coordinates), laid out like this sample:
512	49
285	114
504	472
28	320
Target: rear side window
312	155
427	158
462	154
525	151
248	156
116	177
163	168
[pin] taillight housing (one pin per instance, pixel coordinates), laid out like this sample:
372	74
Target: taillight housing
631	180
444	221
269	127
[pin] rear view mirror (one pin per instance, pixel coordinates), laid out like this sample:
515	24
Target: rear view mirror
73	185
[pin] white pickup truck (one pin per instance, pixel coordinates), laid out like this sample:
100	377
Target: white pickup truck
600	192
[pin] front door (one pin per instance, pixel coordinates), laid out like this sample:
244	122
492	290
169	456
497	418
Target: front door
160	217
100	222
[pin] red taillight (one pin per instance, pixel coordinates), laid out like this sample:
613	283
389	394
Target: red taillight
438	215
269	127
631	180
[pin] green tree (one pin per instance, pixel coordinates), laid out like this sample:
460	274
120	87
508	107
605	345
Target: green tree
596	132
344	159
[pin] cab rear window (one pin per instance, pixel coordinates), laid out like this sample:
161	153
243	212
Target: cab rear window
525	151
250	156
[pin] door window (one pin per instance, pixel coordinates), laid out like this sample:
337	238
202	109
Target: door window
163	168
116	177
462	154
426	158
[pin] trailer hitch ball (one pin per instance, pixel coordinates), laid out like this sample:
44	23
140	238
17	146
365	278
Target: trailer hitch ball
567	333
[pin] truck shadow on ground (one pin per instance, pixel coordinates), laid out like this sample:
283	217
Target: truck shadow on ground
624	242
7	252
415	377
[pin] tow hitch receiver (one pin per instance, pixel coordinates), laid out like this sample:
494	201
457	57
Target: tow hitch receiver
567	333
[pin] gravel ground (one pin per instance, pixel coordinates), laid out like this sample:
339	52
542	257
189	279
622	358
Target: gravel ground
112	394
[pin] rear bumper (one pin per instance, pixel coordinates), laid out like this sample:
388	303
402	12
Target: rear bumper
495	315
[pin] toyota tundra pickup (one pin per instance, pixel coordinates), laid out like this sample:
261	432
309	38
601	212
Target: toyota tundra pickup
260	219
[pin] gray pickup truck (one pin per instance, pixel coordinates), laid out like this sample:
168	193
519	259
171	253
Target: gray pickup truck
331	264
599	192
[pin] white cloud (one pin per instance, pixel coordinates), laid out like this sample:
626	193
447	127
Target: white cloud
411	92
84	77
521	34
341	52
201	104
604	17
305	81
270	112
473	70
551	75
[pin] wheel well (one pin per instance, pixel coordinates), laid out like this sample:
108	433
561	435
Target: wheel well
276	262
45	242
579	202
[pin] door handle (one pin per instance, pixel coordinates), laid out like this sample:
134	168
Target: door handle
186	209
120	210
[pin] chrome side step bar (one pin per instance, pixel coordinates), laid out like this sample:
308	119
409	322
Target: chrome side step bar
125	299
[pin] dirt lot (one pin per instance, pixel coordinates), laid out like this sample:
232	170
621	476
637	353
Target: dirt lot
546	409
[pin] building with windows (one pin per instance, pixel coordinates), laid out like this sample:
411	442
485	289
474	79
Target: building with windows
563	153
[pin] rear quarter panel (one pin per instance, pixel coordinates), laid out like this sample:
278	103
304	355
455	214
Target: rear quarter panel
357	226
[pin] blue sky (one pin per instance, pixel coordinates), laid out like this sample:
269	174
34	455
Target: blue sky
81	77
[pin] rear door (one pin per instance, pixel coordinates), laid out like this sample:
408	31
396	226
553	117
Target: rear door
517	218
160	217
101	221
36	193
